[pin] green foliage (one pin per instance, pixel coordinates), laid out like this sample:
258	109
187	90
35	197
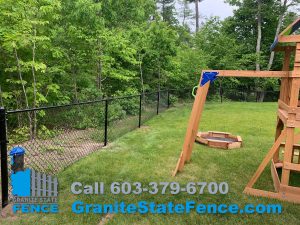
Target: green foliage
19	134
45	133
82	117
168	12
115	111
57	149
173	99
217	98
129	105
59	52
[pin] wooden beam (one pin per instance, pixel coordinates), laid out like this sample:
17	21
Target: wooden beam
192	128
296	146
287	108
267	159
275	177
284	96
290	131
249	73
202	98
257	192
284	87
290	38
290	190
294	73
283	196
291	166
283	115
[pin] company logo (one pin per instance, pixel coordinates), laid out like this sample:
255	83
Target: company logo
33	192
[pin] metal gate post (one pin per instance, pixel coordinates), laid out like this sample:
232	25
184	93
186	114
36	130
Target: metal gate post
140	112
168	99
106	123
158	98
4	166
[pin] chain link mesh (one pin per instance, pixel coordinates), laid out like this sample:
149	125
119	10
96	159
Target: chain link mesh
123	116
149	106
54	138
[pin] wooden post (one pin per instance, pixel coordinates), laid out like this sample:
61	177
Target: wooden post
284	96
192	128
202	96
266	160
293	102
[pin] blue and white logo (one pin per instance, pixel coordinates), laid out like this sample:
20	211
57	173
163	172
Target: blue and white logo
32	191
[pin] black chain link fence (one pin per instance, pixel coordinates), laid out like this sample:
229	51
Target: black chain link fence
219	94
55	137
123	116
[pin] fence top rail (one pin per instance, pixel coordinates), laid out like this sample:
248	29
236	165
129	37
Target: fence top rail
111	99
80	103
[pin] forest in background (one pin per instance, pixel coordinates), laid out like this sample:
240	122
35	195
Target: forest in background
62	51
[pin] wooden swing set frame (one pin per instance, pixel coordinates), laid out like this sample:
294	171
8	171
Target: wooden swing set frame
288	119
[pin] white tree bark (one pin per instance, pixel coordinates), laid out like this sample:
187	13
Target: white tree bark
24	91
197	14
280	20
141	72
259	34
34	83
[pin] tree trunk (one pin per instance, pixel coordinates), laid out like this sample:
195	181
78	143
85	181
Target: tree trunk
99	75
75	83
258	42
185	8
197	14
183	20
260	95
19	115
284	8
258	45
34	83
163	11
24	92
99	66
141	73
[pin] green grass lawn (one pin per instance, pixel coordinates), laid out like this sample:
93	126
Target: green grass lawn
150	154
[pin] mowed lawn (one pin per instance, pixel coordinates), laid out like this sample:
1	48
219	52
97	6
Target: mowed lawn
150	154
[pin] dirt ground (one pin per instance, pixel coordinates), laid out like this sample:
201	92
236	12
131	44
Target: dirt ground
51	155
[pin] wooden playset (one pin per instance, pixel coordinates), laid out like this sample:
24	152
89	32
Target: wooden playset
288	118
216	139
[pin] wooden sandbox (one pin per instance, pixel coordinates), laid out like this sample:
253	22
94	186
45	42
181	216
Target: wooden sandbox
216	139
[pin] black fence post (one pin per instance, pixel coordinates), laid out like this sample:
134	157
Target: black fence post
221	94
140	112
4	166
168	99
106	123
158	97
